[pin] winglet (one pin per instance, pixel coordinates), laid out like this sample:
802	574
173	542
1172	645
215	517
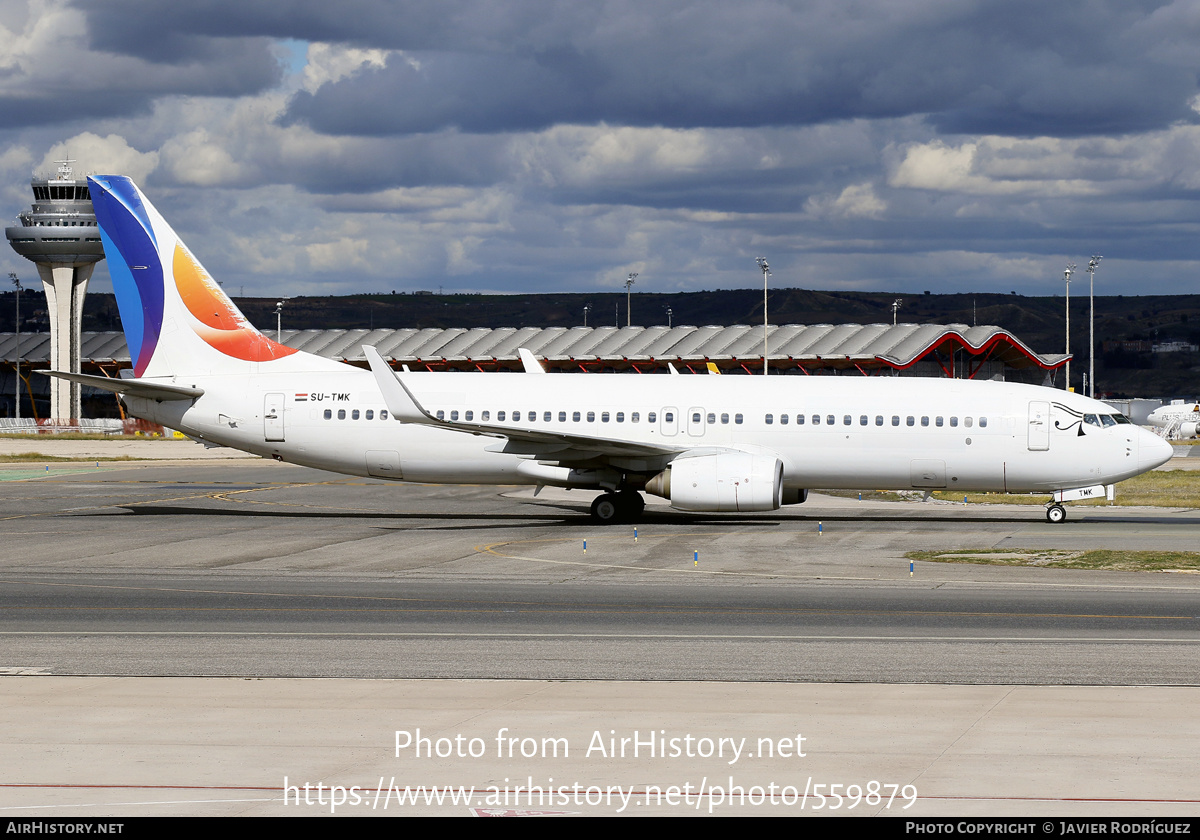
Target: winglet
399	400
529	361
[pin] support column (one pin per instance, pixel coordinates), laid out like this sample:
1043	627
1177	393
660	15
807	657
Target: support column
65	286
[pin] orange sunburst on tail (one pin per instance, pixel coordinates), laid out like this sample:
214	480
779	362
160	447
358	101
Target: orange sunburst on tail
221	325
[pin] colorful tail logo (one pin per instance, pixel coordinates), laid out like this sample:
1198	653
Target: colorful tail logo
143	254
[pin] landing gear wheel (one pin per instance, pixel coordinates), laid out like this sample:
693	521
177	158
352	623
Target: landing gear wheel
606	509
631	504
1056	513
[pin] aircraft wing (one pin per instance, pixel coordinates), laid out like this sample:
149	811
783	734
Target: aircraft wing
542	444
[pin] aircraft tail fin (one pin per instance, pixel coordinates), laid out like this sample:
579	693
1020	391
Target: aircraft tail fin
177	320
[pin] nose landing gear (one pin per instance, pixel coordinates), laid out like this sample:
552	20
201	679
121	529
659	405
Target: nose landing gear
1056	513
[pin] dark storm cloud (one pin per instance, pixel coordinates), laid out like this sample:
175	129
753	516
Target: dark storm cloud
1023	68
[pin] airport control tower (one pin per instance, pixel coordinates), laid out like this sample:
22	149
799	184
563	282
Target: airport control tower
59	233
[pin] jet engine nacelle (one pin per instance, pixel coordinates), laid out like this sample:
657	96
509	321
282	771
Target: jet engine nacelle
728	481
1188	430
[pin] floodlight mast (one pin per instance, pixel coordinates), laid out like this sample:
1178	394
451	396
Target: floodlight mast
766	272
1091	270
629	298
895	308
279	322
1067	373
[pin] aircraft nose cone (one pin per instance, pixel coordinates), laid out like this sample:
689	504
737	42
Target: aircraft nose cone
1153	451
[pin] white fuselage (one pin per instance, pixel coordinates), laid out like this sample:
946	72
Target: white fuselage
840	431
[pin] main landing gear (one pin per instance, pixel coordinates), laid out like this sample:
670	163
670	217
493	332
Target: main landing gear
615	508
1056	513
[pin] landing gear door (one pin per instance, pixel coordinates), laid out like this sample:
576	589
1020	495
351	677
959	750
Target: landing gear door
1039	426
273	417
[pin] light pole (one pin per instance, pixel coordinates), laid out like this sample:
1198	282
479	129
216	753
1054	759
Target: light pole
1091	269
17	392
668	317
629	297
586	307
1067	278
279	322
766	272
895	308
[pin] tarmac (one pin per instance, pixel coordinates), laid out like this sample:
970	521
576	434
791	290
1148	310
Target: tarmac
221	746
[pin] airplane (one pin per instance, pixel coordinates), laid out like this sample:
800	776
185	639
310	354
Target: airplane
1177	420
705	443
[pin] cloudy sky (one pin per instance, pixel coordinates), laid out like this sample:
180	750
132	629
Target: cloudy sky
309	147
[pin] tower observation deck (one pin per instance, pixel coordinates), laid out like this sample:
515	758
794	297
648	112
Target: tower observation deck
59	234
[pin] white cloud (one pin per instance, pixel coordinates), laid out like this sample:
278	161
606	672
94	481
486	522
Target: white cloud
109	155
333	62
986	167
857	201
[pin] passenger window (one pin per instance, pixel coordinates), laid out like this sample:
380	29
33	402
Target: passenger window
604	417
846	420
383	415
983	422
725	419
342	414
737	419
895	419
453	415
546	417
968	422
371	414
770	418
575	416
862	420
878	419
328	414
636	417
937	421
516	416
696	417
799	419
816	419
499	416
620	416
485	416
830	420
591	417
924	420
783	419
669	417
562	417
650	417
953	422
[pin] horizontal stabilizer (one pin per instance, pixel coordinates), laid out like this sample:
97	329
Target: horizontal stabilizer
144	388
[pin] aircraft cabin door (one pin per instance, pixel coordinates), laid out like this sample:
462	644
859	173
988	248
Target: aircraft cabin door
1039	426
273	417
695	421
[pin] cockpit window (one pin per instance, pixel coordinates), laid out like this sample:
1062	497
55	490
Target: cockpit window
1107	420
1091	419
1122	420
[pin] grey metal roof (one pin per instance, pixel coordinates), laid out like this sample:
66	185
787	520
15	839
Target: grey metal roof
792	345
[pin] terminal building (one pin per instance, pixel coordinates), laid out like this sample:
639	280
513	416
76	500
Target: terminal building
950	350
